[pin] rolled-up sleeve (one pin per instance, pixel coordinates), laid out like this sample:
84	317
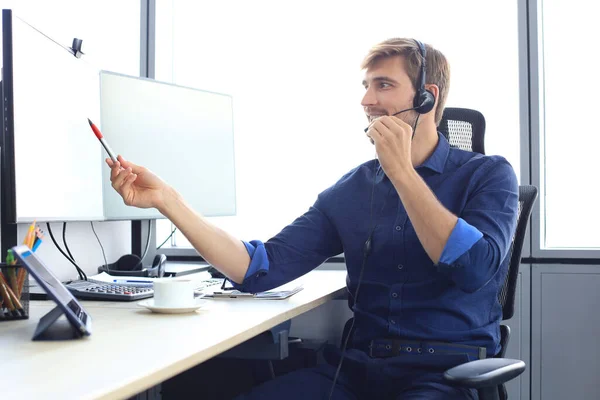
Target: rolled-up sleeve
259	262
299	248
462	238
481	239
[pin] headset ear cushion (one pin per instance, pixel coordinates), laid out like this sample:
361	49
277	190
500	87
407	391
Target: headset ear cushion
129	262
424	101
158	266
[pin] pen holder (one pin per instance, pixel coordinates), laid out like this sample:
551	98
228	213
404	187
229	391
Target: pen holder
14	292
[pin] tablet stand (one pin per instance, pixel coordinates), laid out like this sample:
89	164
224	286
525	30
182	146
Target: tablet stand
51	328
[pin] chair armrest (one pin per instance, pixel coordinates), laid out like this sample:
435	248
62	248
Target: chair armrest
483	373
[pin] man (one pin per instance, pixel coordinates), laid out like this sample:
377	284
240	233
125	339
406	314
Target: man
425	230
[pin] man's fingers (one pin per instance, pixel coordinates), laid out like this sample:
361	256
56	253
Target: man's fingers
405	125
391	122
375	136
128	175
373	133
380	129
120	178
127	182
125	163
115	170
134	167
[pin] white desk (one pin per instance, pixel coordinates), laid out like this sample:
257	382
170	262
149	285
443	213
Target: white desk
132	349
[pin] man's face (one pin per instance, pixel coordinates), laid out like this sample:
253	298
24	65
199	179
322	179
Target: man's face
388	90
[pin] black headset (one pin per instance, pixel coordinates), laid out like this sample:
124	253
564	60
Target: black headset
131	265
424	99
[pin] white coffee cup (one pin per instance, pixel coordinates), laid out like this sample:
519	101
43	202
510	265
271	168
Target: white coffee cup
169	292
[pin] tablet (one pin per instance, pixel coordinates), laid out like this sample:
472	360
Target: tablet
79	319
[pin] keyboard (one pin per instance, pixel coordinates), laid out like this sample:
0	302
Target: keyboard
96	290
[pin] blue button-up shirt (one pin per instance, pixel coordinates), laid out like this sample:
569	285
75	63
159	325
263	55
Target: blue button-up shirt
403	293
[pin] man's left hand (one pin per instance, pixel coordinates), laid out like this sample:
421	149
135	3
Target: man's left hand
392	138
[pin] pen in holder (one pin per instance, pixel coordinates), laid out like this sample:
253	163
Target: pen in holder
14	292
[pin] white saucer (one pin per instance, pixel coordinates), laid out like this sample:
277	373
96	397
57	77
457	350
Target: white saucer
149	304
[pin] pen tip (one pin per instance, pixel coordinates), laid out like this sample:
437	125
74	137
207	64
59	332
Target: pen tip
90	122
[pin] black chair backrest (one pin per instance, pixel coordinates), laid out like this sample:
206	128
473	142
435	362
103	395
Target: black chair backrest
464	128
527	196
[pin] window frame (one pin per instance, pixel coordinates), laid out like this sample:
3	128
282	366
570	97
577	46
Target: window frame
537	137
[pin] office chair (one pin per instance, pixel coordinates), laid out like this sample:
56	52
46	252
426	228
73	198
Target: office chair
489	375
464	128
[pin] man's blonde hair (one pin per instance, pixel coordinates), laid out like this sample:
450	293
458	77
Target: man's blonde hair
437	70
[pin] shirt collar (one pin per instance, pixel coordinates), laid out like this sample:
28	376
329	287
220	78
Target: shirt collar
437	159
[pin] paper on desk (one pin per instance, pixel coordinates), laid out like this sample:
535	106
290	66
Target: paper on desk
143	280
281	292
292	286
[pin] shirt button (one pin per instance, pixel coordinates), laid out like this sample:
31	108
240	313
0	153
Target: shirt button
400	266
398	227
394	295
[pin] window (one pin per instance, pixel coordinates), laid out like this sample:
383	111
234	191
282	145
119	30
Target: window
111	39
293	72
568	140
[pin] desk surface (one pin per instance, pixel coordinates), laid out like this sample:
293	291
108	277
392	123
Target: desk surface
132	349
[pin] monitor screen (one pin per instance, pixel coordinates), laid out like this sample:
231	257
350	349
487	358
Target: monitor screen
52	171
183	135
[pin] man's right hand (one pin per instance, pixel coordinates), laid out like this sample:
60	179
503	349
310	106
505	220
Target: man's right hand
137	185
141	188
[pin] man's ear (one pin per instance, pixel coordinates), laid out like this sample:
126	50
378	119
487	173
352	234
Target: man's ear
435	90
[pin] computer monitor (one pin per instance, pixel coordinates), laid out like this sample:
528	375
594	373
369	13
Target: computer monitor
53	166
184	135
50	166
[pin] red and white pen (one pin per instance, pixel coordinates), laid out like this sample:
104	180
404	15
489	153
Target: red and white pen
98	134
